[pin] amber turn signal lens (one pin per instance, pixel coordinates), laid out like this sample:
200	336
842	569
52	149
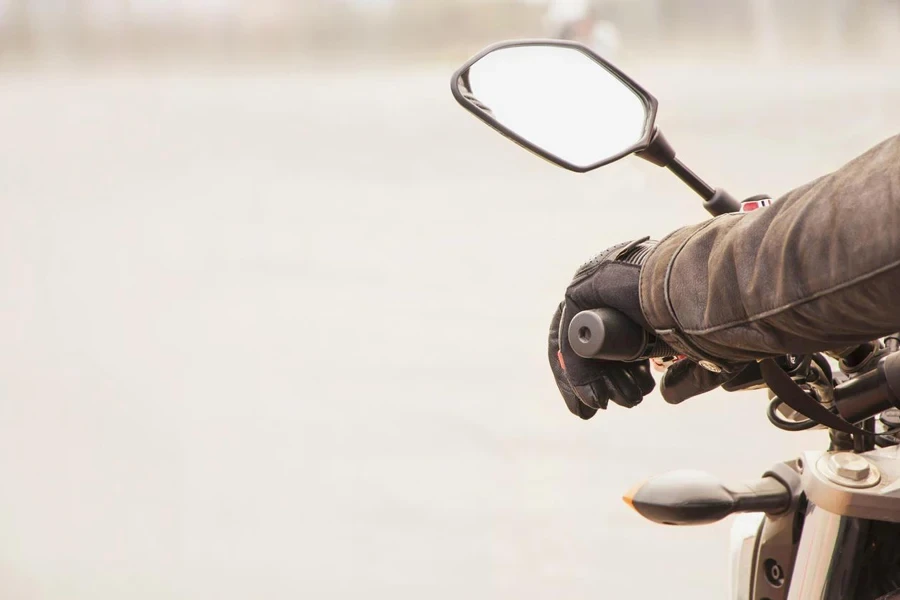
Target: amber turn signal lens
630	494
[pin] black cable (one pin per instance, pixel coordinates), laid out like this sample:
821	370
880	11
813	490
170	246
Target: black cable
784	424
824	365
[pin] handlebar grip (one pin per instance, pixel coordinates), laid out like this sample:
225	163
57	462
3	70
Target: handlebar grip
607	334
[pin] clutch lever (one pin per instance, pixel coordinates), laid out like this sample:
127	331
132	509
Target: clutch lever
751	377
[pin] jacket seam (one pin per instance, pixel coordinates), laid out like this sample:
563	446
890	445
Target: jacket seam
774	311
641	286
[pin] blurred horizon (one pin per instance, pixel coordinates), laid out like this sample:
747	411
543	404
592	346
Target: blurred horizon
411	31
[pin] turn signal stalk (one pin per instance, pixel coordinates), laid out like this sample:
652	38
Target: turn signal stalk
697	498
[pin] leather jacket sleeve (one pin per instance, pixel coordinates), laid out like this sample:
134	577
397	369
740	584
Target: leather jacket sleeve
817	270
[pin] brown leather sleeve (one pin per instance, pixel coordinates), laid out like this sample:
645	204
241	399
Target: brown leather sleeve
818	269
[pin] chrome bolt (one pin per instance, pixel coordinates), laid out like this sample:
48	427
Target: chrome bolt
850	466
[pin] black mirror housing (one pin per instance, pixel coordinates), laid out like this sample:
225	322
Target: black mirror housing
462	91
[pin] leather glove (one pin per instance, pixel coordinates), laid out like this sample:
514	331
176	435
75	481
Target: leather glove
686	379
609	280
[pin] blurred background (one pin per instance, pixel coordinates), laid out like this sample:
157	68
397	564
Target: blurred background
415	30
274	308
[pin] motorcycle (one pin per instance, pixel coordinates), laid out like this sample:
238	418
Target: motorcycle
824	525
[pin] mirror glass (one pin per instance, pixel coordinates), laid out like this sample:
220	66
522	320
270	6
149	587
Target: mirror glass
561	100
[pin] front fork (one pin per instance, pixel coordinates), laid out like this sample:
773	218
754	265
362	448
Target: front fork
809	555
742	553
763	554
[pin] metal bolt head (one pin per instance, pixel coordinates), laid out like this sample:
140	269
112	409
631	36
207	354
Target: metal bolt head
850	466
891	418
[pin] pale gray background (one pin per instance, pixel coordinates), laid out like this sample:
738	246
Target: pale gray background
276	328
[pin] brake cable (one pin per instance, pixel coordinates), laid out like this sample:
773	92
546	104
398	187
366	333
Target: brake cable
789	392
785	424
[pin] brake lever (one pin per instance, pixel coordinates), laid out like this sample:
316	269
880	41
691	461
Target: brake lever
797	367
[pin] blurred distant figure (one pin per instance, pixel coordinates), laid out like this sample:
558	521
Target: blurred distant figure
766	26
383	6
580	21
838	24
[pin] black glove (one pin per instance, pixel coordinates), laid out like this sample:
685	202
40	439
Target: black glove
686	379
610	280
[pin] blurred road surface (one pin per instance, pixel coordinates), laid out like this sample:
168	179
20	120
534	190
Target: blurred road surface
281	334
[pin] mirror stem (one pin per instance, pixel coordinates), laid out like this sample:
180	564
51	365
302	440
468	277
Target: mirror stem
690	178
661	153
716	201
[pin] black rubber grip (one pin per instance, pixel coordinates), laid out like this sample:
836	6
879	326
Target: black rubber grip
607	334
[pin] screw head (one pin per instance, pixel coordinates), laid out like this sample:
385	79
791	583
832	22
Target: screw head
850	466
774	573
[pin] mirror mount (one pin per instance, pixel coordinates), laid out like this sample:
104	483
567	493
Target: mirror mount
659	151
716	201
722	203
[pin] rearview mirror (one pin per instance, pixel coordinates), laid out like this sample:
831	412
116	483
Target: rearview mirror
559	100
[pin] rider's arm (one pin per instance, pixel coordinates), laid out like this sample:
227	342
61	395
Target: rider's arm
818	269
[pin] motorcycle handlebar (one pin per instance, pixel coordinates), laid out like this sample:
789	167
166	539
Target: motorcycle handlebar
607	334
872	393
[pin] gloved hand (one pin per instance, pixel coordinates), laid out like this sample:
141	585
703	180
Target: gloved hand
609	280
